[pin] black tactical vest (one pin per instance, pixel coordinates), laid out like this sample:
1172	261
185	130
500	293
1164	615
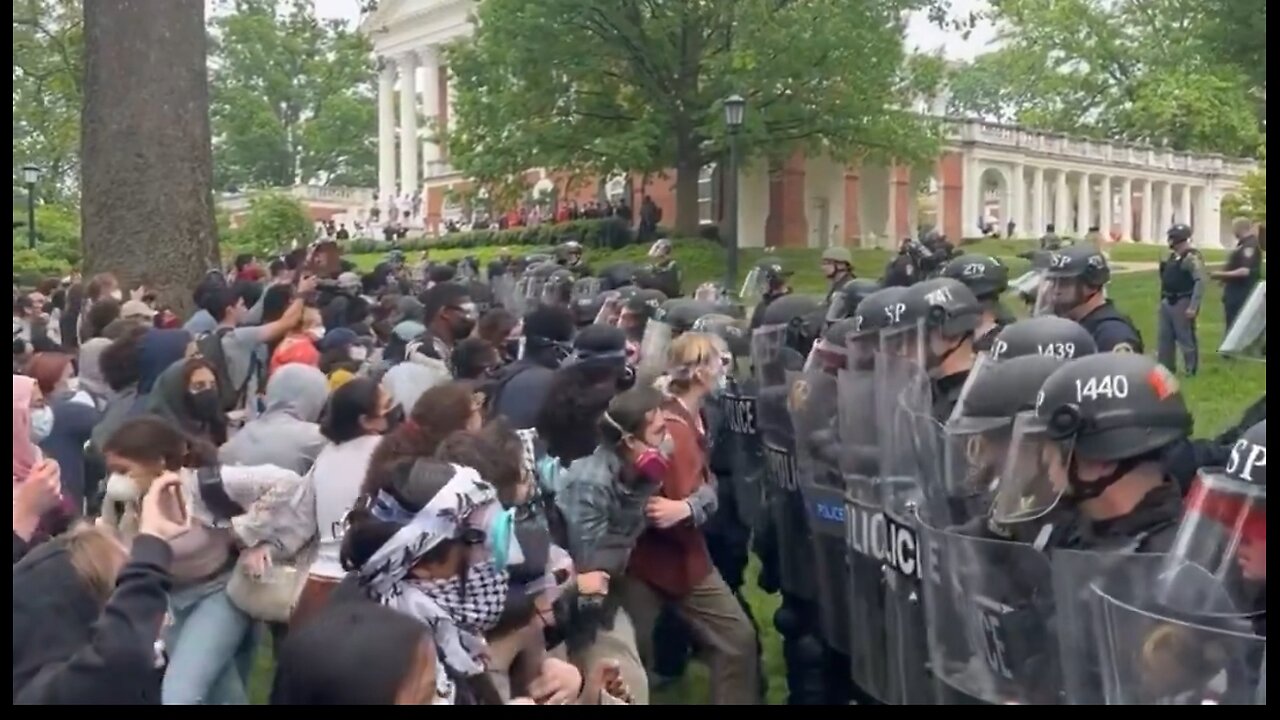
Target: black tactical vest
1176	280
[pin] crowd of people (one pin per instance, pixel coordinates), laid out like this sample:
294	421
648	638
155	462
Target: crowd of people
534	483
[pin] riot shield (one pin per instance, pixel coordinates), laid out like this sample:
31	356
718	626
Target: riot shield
585	289
504	293
903	414
864	525
1149	653
653	349
528	292
1247	336
709	292
754	286
772	360
988	607
813	405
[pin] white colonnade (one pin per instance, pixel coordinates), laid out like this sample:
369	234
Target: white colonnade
408	150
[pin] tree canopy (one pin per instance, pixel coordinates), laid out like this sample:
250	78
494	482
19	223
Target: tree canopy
617	85
292	95
1190	74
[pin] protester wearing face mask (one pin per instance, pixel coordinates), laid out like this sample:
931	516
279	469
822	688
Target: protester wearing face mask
520	390
670	563
300	345
87	612
451	316
433	542
74	416
342	356
33	422
187	395
353	422
244	519
581	389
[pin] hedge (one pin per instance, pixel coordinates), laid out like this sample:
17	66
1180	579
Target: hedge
607	234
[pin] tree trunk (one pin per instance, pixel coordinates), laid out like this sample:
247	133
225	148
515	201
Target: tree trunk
147	170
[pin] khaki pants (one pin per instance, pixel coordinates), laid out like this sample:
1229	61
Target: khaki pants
717	620
618	644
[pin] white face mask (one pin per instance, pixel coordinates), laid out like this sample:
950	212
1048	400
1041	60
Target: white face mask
73	384
117	294
41	424
359	353
316	333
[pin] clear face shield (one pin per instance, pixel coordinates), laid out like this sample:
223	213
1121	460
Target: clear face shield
708	292
825	357
557	291
1218	563
1034	474
1027	286
1060	295
659	249
1247	337
975	451
586	289
754	287
653	348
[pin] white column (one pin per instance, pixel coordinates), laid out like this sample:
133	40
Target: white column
1084	204
1126	209
431	108
1184	210
1166	207
1208	227
451	93
410	172
386	134
970	197
1037	203
1018	201
1148	211
1061	205
1105	199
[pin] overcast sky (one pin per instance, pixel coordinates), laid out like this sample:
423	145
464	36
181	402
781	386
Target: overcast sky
922	35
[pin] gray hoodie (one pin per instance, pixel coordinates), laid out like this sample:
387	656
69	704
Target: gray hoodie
286	435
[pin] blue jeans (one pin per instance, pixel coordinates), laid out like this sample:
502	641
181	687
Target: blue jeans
210	644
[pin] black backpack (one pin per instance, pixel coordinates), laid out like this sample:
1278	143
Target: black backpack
210	347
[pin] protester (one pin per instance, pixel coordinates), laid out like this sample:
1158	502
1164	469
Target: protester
74	417
440	411
581	390
89	364
286	434
121	369
187	395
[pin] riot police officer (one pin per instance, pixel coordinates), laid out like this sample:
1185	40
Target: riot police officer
1182	286
557	288
664	272
1243	270
569	255
844	303
1045	335
988	278
938	325
1096	441
1073	287
837	268
779	345
766	282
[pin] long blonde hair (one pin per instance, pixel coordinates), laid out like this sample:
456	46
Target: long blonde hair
96	556
689	352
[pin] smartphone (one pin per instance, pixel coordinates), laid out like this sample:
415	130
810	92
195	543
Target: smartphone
175	504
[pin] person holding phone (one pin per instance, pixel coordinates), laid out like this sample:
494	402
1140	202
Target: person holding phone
87	613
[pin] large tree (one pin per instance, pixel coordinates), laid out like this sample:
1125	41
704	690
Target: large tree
637	85
293	97
147	177
1139	70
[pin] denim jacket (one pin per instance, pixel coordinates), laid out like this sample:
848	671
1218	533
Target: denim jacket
603	515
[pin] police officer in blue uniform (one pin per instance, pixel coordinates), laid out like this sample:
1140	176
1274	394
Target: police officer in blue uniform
1073	288
1182	284
1243	270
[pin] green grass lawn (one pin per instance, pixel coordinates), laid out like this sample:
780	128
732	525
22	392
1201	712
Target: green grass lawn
1217	395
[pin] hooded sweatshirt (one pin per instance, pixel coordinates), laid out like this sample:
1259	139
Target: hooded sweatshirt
169	400
69	650
92	380
286	435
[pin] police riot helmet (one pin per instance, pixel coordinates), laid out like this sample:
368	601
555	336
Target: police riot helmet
803	316
986	276
1178	233
945	305
569	249
1217	565
845	301
1102	408
617	275
682	313
733	331
838	255
1046	335
585	309
878	311
1079	262
994	397
1112	407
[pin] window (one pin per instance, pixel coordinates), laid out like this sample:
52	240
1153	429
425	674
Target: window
706	195
615	189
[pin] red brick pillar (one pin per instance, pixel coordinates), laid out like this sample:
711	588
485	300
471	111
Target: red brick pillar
852	224
951	195
900	190
787	225
442	102
435	209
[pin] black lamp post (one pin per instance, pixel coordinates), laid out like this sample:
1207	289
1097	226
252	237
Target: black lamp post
734	108
31	176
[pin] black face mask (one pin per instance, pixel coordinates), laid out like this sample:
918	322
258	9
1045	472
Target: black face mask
462	328
511	350
205	404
